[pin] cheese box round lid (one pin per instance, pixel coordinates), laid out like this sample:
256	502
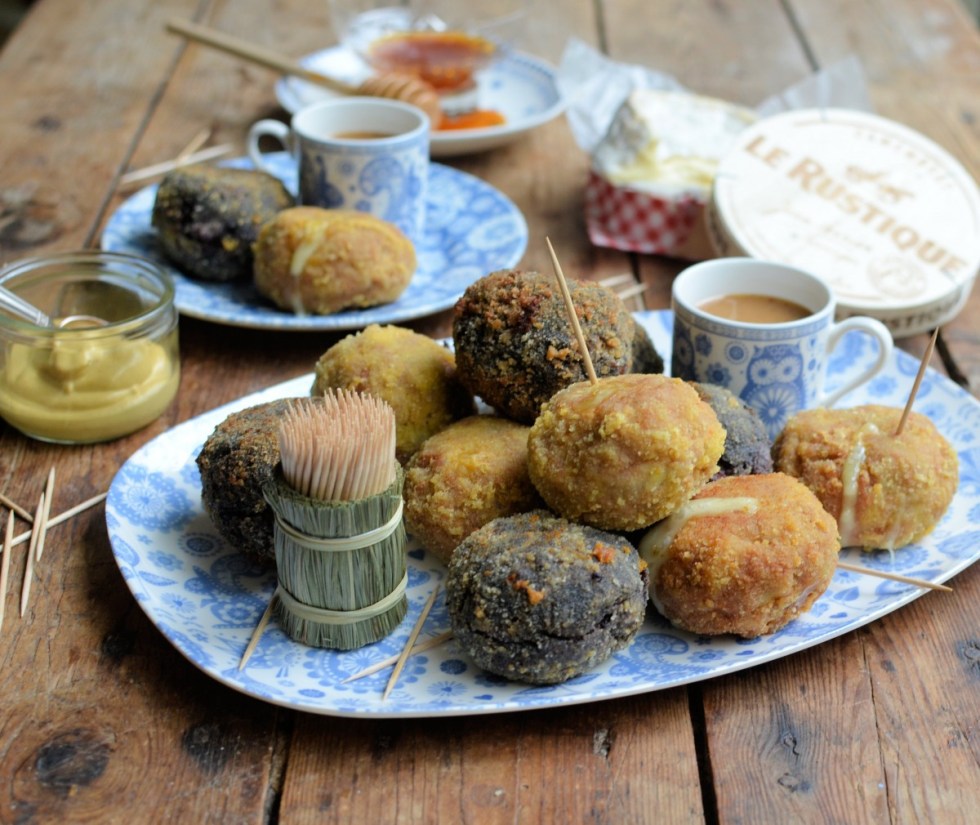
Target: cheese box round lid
889	218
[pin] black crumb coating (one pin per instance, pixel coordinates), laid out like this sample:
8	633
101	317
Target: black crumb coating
208	217
538	599
515	347
236	459
747	444
646	359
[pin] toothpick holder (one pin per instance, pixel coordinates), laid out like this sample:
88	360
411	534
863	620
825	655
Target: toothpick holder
342	565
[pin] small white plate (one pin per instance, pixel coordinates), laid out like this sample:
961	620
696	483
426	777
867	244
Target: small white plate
206	598
522	88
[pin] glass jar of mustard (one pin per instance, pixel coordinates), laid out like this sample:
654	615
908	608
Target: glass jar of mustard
105	364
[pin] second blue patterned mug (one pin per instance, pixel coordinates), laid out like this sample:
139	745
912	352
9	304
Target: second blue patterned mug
369	154
765	331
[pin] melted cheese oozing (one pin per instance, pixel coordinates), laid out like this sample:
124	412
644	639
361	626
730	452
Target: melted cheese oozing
655	544
850	473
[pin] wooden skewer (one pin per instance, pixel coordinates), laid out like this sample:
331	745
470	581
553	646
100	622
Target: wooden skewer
5	563
74	511
406	88
257	633
210	153
45	514
25	592
406	651
16	508
868	571
572	314
918	380
420	647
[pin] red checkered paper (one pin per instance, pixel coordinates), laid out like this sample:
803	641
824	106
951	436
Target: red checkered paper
633	221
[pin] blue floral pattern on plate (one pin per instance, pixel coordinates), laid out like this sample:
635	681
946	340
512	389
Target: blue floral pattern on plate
470	229
206	598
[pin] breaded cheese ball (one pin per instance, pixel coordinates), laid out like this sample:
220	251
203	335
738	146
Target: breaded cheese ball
538	599
515	347
746	555
414	374
625	452
320	261
472	472
885	491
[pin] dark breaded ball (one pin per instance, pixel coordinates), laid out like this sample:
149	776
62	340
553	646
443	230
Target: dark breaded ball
320	261
208	217
746	556
470	473
414	374
625	452
646	359
885	490
538	599
515	347
747	443
237	458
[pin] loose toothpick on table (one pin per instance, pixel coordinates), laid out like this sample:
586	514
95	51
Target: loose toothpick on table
419	647
572	314
918	380
14	507
406	651
42	532
209	153
5	563
25	591
62	517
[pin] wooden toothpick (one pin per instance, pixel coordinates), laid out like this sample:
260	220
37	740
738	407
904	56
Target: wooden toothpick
61	517
257	633
45	514
25	591
869	571
572	314
406	651
16	508
5	563
421	647
918	380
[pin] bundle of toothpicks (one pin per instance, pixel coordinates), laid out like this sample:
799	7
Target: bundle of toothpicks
339	539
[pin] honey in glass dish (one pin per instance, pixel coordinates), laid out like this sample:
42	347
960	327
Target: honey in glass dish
447	60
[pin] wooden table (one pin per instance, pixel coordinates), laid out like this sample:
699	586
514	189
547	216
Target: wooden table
103	721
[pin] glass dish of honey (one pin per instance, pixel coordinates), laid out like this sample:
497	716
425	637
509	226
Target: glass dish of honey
425	38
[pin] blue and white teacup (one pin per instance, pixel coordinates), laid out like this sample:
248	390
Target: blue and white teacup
365	153
777	368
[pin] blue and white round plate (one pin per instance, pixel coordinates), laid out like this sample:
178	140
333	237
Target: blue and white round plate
207	599
522	88
471	229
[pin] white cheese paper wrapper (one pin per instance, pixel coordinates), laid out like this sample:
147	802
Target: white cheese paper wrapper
630	204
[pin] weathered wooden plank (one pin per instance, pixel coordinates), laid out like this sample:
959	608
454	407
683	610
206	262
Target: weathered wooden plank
618	761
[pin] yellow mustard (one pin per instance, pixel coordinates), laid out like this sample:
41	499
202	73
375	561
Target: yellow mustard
82	389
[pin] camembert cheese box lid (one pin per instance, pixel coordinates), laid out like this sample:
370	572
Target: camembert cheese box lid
885	215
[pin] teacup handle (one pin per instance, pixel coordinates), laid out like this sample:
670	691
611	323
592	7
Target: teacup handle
271	128
876	330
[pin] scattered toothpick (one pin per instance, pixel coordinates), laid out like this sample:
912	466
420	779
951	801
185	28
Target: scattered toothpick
25	591
869	571
195	143
62	517
257	633
572	314
400	664
421	647
45	514
5	563
16	508
918	380
210	153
